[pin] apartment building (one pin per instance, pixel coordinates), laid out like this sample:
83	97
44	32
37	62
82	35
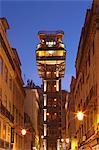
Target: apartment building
32	117
11	94
86	89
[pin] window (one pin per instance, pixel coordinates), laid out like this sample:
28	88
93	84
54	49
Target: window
10	106
6	74
45	100
45	84
57	85
91	118
10	83
4	131
1	65
5	101
45	111
48	74
45	129
8	137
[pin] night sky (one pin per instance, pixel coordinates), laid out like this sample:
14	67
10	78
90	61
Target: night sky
27	17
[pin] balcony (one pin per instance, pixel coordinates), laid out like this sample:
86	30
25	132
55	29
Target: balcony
90	132
40	58
6	113
5	144
50	54
6	52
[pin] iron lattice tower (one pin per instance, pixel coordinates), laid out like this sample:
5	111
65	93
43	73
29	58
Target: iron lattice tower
50	58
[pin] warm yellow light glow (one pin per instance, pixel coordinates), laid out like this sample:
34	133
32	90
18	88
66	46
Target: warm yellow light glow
57	85
46	53
67	140
34	148
51	62
45	110
44	143
80	115
58	144
45	126
61	45
48	72
50	43
51	52
42	136
97	118
38	46
62	140
45	100
73	144
55	99
45	84
57	73
47	114
23	131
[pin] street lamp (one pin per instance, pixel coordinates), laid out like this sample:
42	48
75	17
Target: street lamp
67	140
42	136
23	132
62	140
80	115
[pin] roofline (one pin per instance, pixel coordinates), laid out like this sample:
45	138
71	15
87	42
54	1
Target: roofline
57	32
5	23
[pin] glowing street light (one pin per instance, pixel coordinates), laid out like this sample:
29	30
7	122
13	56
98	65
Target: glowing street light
67	140
23	131
80	115
47	114
62	140
42	136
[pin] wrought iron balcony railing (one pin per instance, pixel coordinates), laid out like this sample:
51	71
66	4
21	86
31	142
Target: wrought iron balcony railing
6	113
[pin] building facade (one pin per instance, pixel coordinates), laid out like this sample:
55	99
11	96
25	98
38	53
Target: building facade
50	57
71	118
32	118
86	87
11	94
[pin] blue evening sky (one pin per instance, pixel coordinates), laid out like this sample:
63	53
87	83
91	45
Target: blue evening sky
27	17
